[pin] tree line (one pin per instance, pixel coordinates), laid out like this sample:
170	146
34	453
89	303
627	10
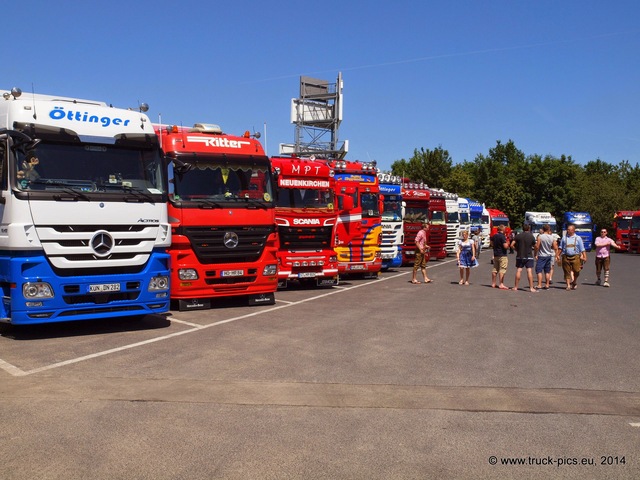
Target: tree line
513	182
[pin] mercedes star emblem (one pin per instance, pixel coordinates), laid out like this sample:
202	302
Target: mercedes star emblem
102	243
231	240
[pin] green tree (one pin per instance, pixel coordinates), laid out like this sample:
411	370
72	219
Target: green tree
428	166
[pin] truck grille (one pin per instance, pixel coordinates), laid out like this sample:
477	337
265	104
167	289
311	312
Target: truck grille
313	238
209	243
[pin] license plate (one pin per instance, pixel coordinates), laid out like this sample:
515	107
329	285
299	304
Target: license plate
307	275
232	273
410	252
104	287
357	267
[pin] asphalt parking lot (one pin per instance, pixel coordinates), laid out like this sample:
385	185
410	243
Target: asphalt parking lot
370	379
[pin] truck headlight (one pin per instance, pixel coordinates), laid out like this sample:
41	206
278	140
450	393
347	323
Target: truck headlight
37	290
158	283
187	274
270	270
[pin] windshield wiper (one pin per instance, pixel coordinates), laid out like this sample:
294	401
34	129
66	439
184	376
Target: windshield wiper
65	187
203	202
136	192
255	201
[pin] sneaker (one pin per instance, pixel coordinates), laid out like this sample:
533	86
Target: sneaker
606	284
598	282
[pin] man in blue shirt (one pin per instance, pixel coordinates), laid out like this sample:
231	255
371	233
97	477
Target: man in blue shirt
573	257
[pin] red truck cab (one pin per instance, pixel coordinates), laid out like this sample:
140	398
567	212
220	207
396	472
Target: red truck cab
359	225
496	217
622	225
306	216
438	227
634	233
416	198
221	210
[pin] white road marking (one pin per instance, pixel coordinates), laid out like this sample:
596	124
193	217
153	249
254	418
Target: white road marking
173	319
17	372
282	301
635	424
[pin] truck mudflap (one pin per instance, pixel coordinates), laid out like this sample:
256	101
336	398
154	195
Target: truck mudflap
194	304
327	282
262	299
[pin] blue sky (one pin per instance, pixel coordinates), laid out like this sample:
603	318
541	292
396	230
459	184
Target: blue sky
556	77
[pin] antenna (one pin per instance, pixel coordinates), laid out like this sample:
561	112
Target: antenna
33	99
266	148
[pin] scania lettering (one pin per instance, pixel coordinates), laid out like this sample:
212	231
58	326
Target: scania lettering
306	215
222	217
392	217
438	227
359	229
416	197
583	224
83	205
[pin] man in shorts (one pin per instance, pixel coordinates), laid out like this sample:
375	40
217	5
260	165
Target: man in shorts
421	254
546	249
500	259
524	244
572	255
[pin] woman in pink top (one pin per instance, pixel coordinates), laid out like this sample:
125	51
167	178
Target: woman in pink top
603	260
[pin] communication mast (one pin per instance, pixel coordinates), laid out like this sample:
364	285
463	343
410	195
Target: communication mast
317	115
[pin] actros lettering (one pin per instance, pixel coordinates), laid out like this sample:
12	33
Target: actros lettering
59	113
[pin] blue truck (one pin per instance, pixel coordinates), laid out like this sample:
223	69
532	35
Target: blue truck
584	226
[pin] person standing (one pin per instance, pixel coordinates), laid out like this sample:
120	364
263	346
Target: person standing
524	243
603	258
421	254
477	239
466	255
500	260
573	255
545	251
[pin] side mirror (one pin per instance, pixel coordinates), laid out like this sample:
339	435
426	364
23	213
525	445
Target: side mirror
345	202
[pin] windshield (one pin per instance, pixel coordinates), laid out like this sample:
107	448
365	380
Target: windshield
500	221
464	218
215	180
370	205
414	214
635	222
392	208
484	219
437	218
452	217
89	168
623	224
305	198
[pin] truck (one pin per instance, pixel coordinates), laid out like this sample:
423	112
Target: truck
634	233
222	214
359	225
475	215
306	216
438	226
496	218
622	226
537	219
584	226
84	227
416	197
465	216
453	221
392	220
